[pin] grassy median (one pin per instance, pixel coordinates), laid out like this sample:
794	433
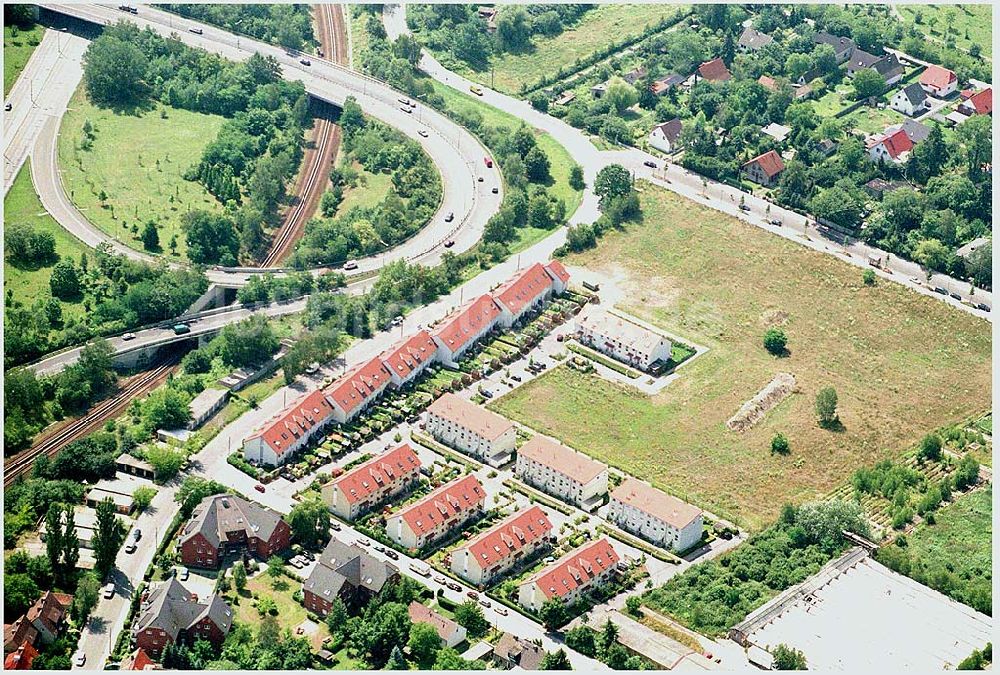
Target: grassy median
17	49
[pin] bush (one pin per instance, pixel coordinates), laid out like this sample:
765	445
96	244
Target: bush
779	445
775	341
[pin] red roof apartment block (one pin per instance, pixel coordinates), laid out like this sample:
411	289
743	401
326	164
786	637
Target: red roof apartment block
714	71
572	575
438	513
459	331
522	293
410	357
500	548
290	431
372	482
356	390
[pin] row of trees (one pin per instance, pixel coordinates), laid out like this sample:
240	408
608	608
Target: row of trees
287	25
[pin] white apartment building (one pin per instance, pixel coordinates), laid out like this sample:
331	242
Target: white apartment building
562	472
622	340
434	516
471	429
372	482
501	548
571	576
657	517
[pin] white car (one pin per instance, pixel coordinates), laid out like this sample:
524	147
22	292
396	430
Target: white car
79	660
109	591
422	132
128	336
364	542
183	573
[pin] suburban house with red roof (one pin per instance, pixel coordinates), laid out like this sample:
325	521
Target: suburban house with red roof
40	625
502	547
714	71
20	658
463	328
170	614
139	660
657	517
562	472
355	391
979	103
764	169
369	484
560	277
938	81
450	632
472	429
526	291
443	510
408	359
894	146
571	576
224	524
289	432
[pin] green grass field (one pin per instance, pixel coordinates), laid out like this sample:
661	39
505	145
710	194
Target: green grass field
17	50
559	157
359	37
372	188
901	363
21	205
872	120
139	161
971	24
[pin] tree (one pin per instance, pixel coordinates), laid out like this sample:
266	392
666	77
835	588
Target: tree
775	341
867	83
607	637
581	639
143	497
536	165
539	101
310	521
387	626
557	660
166	461
620	94
470	616
979	265
576	180
553	614
150	236
114	71
289	37
396	659
967	472
85	597
64	282
26	247
932	254
513	32
788	658
193	490
248	343
336	619
930	447
826	406
239	575
424	644
54	537
166	408
612	181
275	566
19	592
109	534
779	445
837	206
211	238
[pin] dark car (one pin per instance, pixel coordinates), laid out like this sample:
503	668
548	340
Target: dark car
449	243
938	289
983	307
495	190
744	207
196	31
487	393
956	296
776	221
305	62
392	555
651	165
453	586
7	106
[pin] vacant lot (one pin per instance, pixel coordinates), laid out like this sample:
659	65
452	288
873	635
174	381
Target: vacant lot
21	205
902	364
17	50
969	24
138	161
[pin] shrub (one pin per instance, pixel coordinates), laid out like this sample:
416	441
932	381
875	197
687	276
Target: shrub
775	341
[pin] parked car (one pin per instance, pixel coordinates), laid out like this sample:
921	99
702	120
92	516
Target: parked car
364	542
391	554
109	591
128	336
479	179
942	291
259	488
453	586
516	378
397	321
296	563
305	62
379	547
79	659
983	307
473	595
406	109
7	106
137	534
487	393
183	574
422	132
335	526
420	568
449	243
776	222
131	548
196	31
650	164
404	101
501	610
441	580
744	207
485	603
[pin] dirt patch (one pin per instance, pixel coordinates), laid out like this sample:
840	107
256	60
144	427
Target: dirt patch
773	318
751	412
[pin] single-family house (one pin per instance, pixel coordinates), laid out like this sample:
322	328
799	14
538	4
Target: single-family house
139	660
170	614
40	625
666	136
347	572
892	146
514	652
843	47
662	85
472	429
752	39
571	576
659	518
503	547
460	331
938	81
978	103
890	68
372	483
450	632
714	71
560	277
911	100
439	513
225	524
860	60
879	187
635	75
21	658
764	169
974	245
778	132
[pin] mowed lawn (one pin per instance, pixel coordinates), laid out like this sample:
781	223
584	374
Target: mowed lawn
559	158
139	161
901	363
17	50
21	205
972	23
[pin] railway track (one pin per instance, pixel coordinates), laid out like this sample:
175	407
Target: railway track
134	387
331	31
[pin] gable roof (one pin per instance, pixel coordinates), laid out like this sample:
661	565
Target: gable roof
914	93
982	101
660	505
660	85
49	610
510	535
526	654
671	129
171	608
839	44
480	421
556	270
465	324
937	77
376	473
218	515
888	66
21	658
576	569
451	499
285	429
768	82
139	660
341	564
751	38
896	142
18	632
562	459
770	163
916	131
524	289
446	628
714	70
410	354
860	59
359	385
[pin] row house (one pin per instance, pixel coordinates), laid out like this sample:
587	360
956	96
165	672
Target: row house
562	472
225	524
347	572
528	290
462	329
471	429
372	483
169	614
503	547
278	440
622	340
411	357
570	577
659	518
356	391
443	510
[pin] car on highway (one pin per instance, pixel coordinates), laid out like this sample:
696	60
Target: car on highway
305	62
181	329
478	91
196	31
351	265
109	591
450	217
422	132
495	190
80	659
449	243
650	164
259	488
128	336
501	610
131	548
406	109
488	162
7	106
479	179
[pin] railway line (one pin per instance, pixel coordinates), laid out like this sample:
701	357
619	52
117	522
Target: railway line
51	443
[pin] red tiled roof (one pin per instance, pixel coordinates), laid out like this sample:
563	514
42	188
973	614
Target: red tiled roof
445	627
20	659
359	385
556	269
982	101
296	421
524	289
137	660
49	609
468	322
374	474
477	419
896	143
511	535
576	569
448	501
938	77
410	354
770	163
768	82
714	70
18	632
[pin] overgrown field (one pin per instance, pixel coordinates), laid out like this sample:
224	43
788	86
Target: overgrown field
970	23
902	364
